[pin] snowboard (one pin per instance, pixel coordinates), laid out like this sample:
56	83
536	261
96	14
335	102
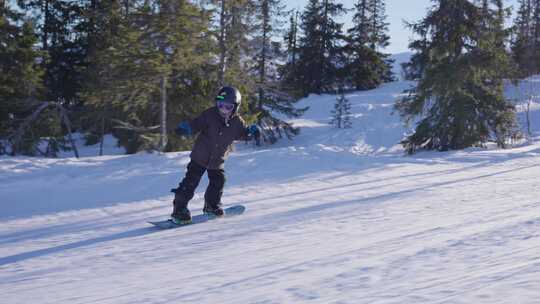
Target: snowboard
200	218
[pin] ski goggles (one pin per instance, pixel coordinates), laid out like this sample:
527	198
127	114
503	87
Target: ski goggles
225	106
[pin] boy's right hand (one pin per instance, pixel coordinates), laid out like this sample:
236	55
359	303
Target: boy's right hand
183	129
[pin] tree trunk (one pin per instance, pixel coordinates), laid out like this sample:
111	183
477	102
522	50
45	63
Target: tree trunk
295	33
163	137
262	71
67	123
323	49
46	26
221	43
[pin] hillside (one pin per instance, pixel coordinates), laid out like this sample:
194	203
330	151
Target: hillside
334	216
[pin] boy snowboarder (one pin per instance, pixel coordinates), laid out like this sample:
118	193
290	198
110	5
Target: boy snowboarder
218	127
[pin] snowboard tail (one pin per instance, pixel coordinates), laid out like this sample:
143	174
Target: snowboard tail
200	218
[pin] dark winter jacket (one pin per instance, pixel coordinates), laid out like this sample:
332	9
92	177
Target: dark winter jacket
215	138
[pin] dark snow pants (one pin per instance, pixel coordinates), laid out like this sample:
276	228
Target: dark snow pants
186	189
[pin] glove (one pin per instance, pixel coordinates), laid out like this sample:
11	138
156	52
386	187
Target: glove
254	131
183	129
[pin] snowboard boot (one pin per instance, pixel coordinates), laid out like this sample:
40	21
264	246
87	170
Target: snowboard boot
181	216
213	210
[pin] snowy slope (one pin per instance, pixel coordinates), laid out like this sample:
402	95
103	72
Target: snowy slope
335	216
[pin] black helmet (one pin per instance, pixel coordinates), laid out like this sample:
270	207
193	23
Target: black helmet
230	95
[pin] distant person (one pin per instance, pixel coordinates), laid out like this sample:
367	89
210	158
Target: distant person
218	127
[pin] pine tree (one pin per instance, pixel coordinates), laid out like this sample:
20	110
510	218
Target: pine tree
415	68
459	97
367	67
536	36
265	50
222	43
103	20
494	65
63	40
126	78
341	114
289	71
271	99
526	38
320	49
167	40
233	32
20	81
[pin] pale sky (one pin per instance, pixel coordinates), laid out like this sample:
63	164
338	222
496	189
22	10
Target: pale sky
397	11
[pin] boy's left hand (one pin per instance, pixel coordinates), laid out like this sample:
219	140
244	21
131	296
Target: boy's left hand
183	129
254	132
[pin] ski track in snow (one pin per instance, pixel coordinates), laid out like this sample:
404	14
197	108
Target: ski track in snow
335	216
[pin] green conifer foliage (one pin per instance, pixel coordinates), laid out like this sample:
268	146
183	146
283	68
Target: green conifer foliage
526	38
271	98
459	99
20	81
341	114
63	39
367	66
289	71
321	47
148	43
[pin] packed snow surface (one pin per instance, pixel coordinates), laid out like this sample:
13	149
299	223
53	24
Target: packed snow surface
334	216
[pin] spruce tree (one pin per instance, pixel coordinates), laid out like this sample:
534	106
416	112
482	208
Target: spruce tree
380	40
367	66
341	114
289	71
127	78
233	32
526	38
167	40
20	81
535	45
459	99
271	99
494	62
62	37
320	49
103	20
